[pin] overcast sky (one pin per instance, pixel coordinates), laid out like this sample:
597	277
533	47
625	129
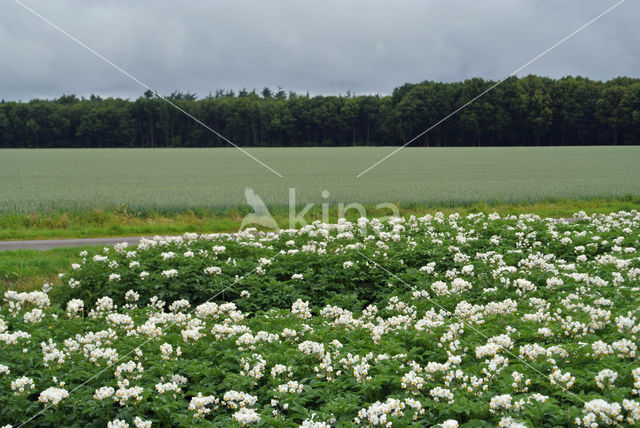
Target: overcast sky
324	47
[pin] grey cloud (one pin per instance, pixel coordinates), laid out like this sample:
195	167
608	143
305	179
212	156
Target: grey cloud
324	47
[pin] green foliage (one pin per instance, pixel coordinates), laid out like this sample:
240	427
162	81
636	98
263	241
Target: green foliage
324	281
25	270
521	111
283	319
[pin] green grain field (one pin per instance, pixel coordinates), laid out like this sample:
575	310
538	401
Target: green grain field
178	179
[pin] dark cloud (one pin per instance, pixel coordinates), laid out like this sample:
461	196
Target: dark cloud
326	47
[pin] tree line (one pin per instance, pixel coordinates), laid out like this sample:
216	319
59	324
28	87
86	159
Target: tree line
531	110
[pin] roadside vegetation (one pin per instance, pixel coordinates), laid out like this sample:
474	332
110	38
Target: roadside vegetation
28	269
121	221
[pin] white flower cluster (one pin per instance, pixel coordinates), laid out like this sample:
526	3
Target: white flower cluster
309	347
301	309
635	373
163	388
170	273
599	411
103	393
253	367
311	423
279	369
167	352
104	305
236	399
22	384
606	378
53	395
34	316
126	392
74	306
291	387
439	393
213	270
199	403
500	403
378	413
246	416
130	369
17	301
179	305
564	380
519	383
412	382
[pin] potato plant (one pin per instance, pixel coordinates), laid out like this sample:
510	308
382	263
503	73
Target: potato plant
444	321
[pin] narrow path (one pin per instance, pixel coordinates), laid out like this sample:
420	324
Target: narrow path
48	244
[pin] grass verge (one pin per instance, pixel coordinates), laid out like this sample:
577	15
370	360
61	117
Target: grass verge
120	221
26	270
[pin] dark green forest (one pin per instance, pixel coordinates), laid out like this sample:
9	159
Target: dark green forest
531	110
